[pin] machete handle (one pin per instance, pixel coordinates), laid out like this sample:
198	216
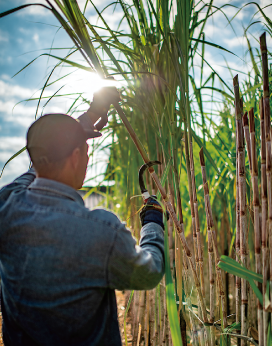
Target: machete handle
144	192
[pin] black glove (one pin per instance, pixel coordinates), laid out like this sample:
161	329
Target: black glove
99	111
103	98
152	212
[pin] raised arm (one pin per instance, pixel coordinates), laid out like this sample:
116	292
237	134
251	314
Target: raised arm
20	183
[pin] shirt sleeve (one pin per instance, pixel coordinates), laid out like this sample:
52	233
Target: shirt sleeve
20	183
137	267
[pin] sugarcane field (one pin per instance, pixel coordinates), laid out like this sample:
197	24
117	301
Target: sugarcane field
135	173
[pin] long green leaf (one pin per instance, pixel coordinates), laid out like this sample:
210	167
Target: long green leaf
11	158
3	14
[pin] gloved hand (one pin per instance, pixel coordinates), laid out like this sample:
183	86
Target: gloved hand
98	110
102	100
152	212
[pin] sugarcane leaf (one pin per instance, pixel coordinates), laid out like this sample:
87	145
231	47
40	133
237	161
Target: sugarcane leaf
233	326
207	154
74	102
165	174
11	158
72	63
256	290
230	265
3	14
215	46
220	91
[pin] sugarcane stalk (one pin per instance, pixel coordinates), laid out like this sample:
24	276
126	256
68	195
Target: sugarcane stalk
199	244
170	228
170	343
170	233
257	226
243	237
212	288
267	125
163	307
151	316
264	204
132	313
247	137
141	314
226	252
158	322
188	300
210	253
146	329
187	161
251	307
178	226
135	317
183	319
139	335
171	245
210	224
155	333
242	203
237	245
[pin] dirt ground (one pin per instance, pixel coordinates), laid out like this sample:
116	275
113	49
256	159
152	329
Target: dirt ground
121	303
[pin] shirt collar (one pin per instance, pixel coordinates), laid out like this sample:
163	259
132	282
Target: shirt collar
56	188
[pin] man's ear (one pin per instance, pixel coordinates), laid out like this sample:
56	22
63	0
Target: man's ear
75	158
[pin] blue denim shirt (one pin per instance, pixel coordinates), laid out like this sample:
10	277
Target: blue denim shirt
60	263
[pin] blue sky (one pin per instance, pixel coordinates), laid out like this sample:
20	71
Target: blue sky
25	35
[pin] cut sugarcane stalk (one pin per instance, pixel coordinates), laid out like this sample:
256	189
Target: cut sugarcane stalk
267	225
256	211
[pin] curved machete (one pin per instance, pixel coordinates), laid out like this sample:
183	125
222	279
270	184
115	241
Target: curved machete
144	192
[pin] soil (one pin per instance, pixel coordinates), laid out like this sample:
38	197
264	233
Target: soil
122	298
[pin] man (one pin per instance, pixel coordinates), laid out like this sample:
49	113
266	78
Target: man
59	261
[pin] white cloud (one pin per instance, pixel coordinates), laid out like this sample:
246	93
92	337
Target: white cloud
35	10
36	38
11	145
42	11
268	7
10	95
233	42
5	77
8	90
112	19
20	115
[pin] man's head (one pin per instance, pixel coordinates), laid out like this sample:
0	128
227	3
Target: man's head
57	146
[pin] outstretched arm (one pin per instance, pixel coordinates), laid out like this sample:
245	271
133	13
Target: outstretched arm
137	267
